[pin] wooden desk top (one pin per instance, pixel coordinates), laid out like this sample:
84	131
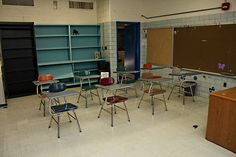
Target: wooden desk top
229	94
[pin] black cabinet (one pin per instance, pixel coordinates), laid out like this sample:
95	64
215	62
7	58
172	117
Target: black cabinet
103	66
18	58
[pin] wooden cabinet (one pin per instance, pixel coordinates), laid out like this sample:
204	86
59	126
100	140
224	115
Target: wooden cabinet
221	124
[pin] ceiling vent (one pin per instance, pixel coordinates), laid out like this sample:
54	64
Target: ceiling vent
80	5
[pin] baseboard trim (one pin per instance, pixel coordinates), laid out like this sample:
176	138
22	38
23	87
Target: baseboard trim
3	105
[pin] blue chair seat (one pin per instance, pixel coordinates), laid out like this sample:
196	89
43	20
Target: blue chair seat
63	107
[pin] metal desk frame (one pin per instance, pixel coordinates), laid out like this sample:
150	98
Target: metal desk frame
54	100
113	88
124	77
40	84
87	77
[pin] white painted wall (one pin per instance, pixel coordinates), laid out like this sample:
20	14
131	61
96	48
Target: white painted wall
103	11
43	13
159	7
126	10
107	10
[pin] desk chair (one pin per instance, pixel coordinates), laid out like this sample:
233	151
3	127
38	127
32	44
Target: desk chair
176	77
182	85
87	88
56	108
124	79
148	75
43	78
183	90
112	100
152	92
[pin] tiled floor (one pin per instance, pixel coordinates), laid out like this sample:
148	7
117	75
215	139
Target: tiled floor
24	131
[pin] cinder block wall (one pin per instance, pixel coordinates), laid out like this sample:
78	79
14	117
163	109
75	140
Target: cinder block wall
109	40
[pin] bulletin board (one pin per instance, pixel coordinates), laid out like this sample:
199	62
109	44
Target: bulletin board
207	48
160	46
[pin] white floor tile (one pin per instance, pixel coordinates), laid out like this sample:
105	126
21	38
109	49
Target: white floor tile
24	131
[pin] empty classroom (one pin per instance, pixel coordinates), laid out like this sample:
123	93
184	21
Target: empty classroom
101	78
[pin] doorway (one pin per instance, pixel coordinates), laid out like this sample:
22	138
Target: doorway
128	46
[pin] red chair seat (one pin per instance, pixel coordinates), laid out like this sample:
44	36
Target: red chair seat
154	77
115	99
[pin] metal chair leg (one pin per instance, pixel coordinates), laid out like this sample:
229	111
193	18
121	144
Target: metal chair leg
141	100
57	101
58	126
142	86
50	123
44	114
91	95
164	99
37	90
86	100
40	104
112	106
101	110
191	90
179	91
69	117
126	111
171	92
136	93
79	97
152	103
183	96
76	118
99	97
115	109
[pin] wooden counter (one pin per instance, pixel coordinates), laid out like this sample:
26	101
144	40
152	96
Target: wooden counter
221	124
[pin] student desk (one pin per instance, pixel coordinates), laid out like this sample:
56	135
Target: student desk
88	88
116	99
221	124
39	84
124	79
124	74
114	87
54	96
56	108
155	81
87	77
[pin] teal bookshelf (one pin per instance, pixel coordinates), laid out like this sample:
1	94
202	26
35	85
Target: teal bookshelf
65	50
